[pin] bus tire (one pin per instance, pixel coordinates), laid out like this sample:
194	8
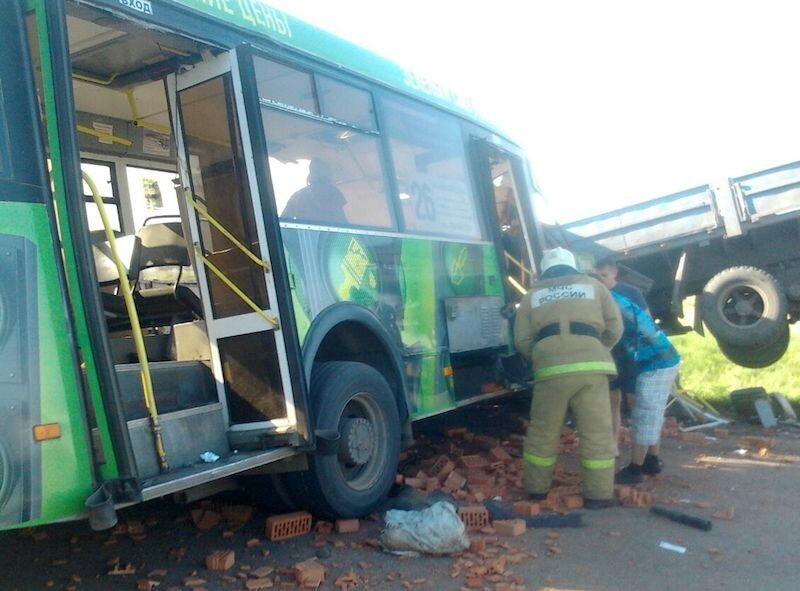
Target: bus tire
744	306
352	478
756	357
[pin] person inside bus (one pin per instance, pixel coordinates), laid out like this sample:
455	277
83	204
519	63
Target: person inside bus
320	200
624	384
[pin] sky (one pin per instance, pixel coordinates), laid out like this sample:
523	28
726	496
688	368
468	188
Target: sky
614	101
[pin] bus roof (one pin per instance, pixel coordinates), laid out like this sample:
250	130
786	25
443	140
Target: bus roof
256	16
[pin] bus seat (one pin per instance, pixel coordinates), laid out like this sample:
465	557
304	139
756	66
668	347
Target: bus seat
167	301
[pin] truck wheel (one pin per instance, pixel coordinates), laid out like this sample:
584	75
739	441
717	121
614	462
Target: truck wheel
350	477
744	306
756	357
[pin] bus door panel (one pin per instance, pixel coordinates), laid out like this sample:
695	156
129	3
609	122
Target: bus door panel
231	251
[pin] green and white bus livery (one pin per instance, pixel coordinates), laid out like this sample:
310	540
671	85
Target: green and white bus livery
234	248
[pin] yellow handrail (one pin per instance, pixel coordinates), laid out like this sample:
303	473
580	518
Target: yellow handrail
243	296
202	210
136	329
141	122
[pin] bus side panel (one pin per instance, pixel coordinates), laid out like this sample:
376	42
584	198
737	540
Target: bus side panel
39	383
47	480
404	281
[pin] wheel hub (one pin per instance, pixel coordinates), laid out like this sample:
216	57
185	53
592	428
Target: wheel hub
358	441
744	307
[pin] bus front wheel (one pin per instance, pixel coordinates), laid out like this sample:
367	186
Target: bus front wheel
352	471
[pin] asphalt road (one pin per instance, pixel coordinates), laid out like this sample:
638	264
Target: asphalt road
616	549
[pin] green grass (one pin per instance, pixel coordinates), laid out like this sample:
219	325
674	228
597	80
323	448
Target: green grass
707	373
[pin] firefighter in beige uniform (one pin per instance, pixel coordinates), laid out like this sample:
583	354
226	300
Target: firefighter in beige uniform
565	326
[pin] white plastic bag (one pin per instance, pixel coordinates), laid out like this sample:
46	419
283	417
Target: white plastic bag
435	530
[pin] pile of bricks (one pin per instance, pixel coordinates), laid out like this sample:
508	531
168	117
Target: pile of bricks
472	468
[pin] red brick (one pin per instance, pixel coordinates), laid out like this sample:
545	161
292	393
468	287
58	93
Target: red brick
455	481
485	441
146	585
422	475
309	573
526	508
473	461
498	454
442	467
509	527
477	545
399	478
418	483
573	501
220	560
205	518
757	442
721	433
479	477
288	525
622	492
347	526
431	484
474	517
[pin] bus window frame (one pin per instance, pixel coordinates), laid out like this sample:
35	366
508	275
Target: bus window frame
315	69
115	198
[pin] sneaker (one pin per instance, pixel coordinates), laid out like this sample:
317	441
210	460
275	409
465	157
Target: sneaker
652	465
596	504
629	475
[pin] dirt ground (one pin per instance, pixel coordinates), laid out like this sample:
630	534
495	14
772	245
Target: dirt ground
749	496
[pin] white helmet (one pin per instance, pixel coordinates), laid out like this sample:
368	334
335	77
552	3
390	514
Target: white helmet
557	256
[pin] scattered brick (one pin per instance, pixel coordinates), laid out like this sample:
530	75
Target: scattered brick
348	581
572	501
399	478
288	525
418	483
347	526
477	545
456	431
442	467
454	481
720	433
622	492
474	517
146	585
119	570
204	518
309	573
725	515
220	560
473	461
262	572
258	584
509	527
252	543
498	454
193	581
526	508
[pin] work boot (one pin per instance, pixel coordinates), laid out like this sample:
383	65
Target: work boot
597	504
652	465
630	474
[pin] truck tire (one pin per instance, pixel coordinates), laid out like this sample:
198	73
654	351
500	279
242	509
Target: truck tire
351	479
744	306
756	357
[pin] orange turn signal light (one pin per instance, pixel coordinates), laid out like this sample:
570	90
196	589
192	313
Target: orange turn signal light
447	371
48	431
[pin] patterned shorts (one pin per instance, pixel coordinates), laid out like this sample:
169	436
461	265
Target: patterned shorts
652	390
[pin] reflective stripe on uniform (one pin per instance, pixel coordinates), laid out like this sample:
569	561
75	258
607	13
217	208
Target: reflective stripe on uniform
597	464
541	461
557	370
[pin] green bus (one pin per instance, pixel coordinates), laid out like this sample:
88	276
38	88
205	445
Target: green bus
235	248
